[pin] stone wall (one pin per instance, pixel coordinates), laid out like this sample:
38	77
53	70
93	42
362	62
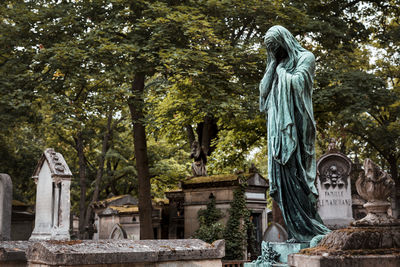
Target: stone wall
197	199
197	192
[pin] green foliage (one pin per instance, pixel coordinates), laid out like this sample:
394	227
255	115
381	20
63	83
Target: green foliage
357	93
210	229
168	165
238	226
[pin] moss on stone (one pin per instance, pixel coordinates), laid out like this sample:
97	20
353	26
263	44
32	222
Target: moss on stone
17	203
108	200
125	209
321	250
157	200
215	178
64	242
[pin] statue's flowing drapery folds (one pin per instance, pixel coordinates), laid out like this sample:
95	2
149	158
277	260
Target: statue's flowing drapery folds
286	97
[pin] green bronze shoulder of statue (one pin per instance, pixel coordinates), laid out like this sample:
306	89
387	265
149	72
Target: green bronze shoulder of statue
286	99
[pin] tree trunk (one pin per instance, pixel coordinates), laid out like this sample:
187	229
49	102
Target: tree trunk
82	183
100	170
136	106
394	172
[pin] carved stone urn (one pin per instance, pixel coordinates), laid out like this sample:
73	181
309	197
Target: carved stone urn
375	186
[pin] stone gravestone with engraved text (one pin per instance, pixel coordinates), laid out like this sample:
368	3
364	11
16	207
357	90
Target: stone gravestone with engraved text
334	187
5	206
53	204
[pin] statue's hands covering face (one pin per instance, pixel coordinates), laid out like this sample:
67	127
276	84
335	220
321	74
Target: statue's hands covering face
272	49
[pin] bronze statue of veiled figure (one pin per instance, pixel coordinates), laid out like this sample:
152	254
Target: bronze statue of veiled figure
285	96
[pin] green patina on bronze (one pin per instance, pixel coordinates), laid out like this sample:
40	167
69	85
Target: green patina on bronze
285	96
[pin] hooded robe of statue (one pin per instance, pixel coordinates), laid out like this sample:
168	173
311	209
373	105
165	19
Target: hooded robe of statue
285	95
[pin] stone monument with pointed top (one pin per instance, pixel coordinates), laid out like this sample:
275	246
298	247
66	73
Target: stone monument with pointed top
53	178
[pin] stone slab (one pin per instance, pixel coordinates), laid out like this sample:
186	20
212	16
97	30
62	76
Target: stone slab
299	260
284	249
334	224
124	252
13	252
194	263
5	206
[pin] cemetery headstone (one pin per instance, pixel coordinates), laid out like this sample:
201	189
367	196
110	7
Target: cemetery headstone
334	187
22	220
5	206
53	178
275	233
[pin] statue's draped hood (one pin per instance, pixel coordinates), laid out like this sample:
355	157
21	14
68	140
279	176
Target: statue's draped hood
285	39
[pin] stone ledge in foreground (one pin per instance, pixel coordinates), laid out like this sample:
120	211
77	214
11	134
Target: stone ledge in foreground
108	252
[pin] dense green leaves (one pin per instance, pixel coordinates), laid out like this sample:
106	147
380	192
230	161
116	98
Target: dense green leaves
239	229
210	229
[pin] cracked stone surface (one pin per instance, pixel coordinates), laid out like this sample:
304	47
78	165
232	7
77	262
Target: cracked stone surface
353	238
122	251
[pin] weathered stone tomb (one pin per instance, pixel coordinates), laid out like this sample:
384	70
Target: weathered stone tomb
53	178
198	190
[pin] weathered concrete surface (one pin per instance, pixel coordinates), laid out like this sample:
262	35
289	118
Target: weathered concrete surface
353	246
5	206
353	238
299	260
189	252
195	263
12	253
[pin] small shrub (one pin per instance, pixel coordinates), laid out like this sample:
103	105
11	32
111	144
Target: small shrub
210	229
